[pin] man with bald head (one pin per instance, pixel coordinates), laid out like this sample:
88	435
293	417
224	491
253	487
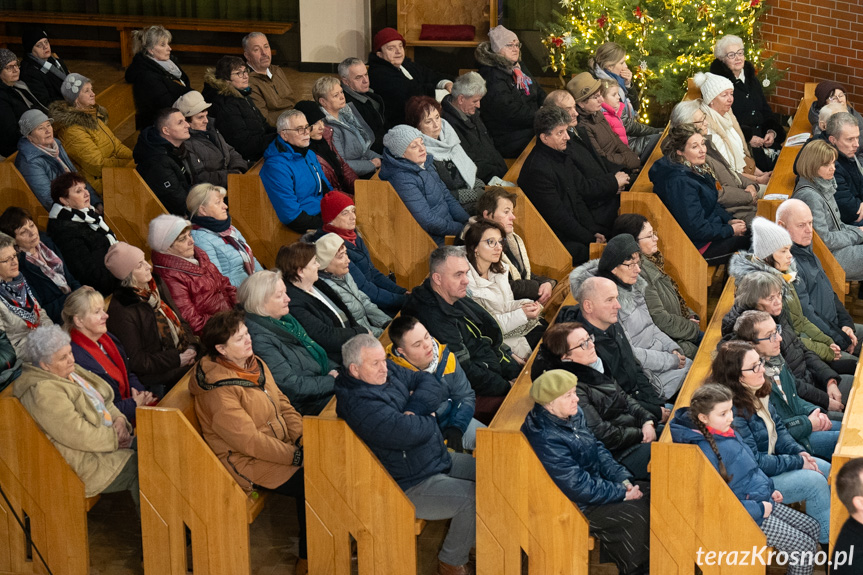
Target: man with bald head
820	303
597	312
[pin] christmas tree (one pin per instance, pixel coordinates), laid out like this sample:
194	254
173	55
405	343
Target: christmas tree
666	42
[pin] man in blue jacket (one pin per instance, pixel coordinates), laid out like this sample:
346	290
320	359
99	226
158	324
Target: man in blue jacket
392	410
292	175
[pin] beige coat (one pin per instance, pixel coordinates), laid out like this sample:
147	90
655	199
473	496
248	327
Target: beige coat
64	412
16	328
273	95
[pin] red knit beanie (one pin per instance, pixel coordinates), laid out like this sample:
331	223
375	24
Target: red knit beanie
332	205
385	36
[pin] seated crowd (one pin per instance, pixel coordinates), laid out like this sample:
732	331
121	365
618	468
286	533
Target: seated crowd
415	371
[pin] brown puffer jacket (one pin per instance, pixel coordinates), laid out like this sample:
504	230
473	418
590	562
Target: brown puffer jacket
606	142
251	426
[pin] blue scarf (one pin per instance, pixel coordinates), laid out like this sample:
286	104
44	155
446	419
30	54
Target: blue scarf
212	224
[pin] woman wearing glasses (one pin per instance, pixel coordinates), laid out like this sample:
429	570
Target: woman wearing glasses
20	312
512	95
762	129
519	319
226	87
796	474
616	419
830	92
15	99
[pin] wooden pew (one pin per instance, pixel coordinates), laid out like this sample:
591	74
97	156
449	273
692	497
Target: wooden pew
117	99
547	255
129	205
14	191
252	213
848	447
783	178
515	169
184	485
40	486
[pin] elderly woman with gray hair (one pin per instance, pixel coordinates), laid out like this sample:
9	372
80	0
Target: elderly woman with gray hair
157	80
300	366
76	410
762	129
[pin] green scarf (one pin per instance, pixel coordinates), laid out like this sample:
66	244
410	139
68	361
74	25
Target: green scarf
293	327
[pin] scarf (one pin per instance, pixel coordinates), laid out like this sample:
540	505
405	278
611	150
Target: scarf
328	155
19	299
49	66
621	285
727	433
447	147
252	371
54	152
352	123
95	398
827	189
171	68
658	260
515	256
230	236
704	169
347	235
522	80
432	367
293	327
107	355
622	90
728	130
29	98
171	330
50	265
60	212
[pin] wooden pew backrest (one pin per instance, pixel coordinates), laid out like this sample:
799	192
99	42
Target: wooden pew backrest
547	255
14	191
848	447
117	99
515	169
130	205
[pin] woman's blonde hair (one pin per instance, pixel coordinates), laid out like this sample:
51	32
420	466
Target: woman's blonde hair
607	54
322	87
815	154
257	289
149	37
608	86
79	303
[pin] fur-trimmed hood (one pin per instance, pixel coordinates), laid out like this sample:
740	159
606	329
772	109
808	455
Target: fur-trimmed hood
222	87
485	57
66	115
627	298
742	264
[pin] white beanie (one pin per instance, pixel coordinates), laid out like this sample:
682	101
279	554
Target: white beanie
327	247
399	138
164	230
768	238
711	85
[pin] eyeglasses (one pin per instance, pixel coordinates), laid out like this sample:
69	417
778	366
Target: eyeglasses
772	336
837	97
240	73
738	54
492	243
513	45
301	130
757	367
585	345
12	66
597	96
9	260
650	236
638	263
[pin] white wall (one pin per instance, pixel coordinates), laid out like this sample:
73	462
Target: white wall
332	30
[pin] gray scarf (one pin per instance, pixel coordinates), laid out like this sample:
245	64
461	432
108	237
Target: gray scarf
350	121
447	146
49	66
170	67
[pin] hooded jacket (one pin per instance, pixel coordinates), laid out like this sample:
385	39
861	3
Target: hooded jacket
13	103
43	84
424	194
612	416
39	170
395	89
153	87
475	140
251	426
272	96
471	333
750	107
66	415
578	463
660	296
50	297
506	110
199	291
167	169
294	183
456	408
410	447
89	141
692	200
240	122
606	142
751	486
371	108
753	432
358	303
212	157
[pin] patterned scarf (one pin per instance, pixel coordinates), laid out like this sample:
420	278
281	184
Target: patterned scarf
658	260
107	355
293	327
170	330
49	264
16	295
704	169
522	82
53	151
90	217
230	236
95	398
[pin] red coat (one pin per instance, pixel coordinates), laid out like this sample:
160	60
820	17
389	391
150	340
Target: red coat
199	291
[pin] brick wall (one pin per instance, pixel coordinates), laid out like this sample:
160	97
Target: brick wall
815	40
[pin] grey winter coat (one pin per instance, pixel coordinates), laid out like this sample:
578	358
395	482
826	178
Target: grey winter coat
353	146
215	157
358	303
664	307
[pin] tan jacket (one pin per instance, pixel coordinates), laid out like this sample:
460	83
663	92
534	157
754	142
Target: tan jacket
64	412
252	428
271	96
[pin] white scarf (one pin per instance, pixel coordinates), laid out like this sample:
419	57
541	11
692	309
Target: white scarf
448	147
732	146
170	67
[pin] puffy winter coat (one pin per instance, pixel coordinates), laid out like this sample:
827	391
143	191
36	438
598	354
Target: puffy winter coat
133	322
352	142
660	296
371	108
753	432
607	142
434	208
613	117
44	84
251	427
506	110
820	196
50	297
84	252
410	447
471	333
153	88
294	183
578	463
733	196
296	372
475	140
395	89
322	325
457	407
67	416
750	107
89	141
271	96
212	157
223	255
14	101
692	200
167	169
358	303
611	415
39	170
240	122
16	329
751	486
199	291
346	182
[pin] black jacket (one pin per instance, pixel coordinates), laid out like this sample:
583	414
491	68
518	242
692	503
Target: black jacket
371	107
46	291
240	122
153	88
849	187
12	107
212	157
44	85
750	107
395	89
84	252
166	169
320	323
471	333
614	350
612	416
594	177
476	141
